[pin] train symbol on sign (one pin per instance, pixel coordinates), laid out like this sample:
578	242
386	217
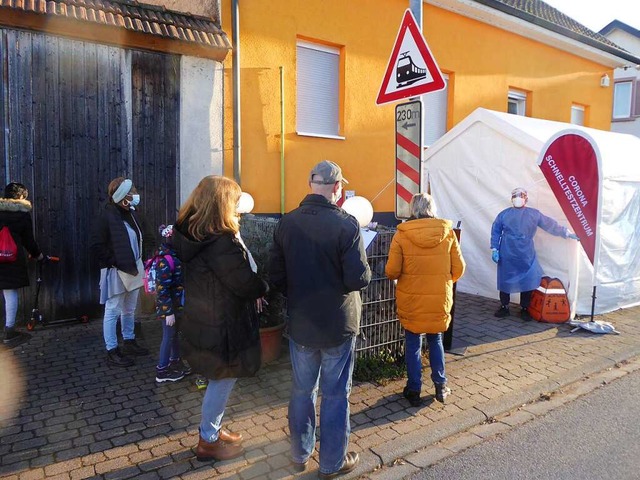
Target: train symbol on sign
407	72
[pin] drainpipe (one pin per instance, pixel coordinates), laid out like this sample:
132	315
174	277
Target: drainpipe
281	140
237	140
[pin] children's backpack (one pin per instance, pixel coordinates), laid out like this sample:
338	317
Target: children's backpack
549	302
8	247
150	271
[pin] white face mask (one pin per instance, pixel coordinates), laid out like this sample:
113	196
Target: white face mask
518	202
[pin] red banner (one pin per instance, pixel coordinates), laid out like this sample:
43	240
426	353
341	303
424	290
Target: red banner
570	165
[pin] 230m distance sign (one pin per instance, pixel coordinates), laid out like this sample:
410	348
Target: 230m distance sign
408	155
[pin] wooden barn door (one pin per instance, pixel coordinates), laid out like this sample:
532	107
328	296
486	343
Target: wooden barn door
155	85
67	110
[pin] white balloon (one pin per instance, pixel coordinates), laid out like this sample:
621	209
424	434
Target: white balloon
246	203
360	208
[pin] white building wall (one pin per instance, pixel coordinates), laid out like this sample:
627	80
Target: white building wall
632	44
627	41
201	122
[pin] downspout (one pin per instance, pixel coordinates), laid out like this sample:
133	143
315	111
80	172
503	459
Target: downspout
237	140
281	140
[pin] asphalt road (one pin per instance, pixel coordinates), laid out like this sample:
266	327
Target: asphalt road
594	437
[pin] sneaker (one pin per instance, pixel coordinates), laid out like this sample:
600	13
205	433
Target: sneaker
201	383
502	312
130	347
168	375
181	366
412	396
117	359
442	392
525	315
351	459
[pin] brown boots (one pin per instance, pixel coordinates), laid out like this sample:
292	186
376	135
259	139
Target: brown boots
229	437
227	446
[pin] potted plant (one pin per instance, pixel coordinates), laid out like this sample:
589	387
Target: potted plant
257	234
272	322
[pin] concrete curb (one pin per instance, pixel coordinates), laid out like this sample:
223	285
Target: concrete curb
443	429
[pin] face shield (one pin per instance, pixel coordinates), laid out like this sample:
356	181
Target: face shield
519	197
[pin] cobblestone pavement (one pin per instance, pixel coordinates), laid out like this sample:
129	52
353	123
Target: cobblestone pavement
79	418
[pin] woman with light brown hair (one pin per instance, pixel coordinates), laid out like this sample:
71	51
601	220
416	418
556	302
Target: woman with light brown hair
219	328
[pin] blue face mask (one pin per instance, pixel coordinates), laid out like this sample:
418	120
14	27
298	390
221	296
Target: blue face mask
135	200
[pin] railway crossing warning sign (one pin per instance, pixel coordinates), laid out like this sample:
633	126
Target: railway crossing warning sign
408	155
412	70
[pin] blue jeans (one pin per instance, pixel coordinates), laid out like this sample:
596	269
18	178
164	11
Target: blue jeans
412	356
169	347
331	369
213	405
10	307
123	306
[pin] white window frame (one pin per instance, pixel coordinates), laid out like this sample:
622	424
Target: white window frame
578	113
435	104
318	98
518	98
622	112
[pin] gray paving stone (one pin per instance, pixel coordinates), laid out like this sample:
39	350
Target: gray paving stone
126	439
99	446
174	470
508	363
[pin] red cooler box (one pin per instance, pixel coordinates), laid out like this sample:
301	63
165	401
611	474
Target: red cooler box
549	302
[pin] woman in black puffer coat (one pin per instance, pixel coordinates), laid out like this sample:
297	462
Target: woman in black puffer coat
15	213
219	328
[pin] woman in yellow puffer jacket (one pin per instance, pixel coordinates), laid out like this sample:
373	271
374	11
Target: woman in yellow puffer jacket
426	260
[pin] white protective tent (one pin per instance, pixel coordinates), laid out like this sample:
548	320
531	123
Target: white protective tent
471	171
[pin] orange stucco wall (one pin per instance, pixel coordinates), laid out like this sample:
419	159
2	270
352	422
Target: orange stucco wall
483	62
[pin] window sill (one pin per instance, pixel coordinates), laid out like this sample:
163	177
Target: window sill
319	135
627	119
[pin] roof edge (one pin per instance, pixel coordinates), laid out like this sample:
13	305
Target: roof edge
497	5
110	35
493	12
617	24
137	27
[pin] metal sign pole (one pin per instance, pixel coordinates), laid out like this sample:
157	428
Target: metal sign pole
416	8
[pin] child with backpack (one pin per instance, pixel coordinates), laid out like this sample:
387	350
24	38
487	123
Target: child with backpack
163	275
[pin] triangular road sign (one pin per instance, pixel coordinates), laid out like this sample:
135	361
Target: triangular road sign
412	70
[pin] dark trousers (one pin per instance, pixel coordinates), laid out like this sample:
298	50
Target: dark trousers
525	299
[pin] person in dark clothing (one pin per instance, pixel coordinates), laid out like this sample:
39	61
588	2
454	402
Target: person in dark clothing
15	214
219	327
117	243
318	261
169	289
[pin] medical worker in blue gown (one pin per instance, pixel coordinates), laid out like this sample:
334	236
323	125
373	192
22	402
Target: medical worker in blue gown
513	250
